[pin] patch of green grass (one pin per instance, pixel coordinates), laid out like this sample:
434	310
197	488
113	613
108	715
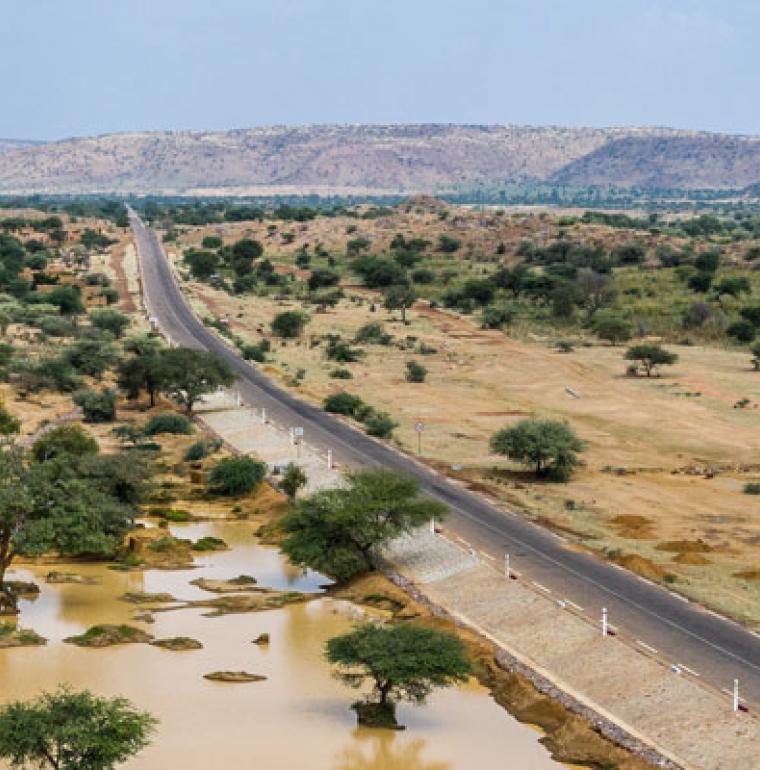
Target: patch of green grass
209	544
163	544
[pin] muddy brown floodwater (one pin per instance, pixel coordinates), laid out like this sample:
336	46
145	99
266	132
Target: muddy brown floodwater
299	717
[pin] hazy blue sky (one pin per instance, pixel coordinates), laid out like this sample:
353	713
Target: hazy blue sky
78	67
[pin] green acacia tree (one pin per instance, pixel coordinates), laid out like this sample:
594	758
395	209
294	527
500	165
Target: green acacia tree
293	479
336	531
110	320
550	446
400	297
67	730
75	505
612	328
403	662
649	357
188	374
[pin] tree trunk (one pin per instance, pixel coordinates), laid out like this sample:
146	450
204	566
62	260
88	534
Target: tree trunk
8	600
385	690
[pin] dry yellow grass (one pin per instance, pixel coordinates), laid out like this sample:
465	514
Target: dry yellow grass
678	460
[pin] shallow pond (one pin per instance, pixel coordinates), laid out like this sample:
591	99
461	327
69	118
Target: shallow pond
298	718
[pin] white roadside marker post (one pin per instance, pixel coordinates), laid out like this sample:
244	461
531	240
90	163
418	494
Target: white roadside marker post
507	570
432	526
263	416
329	459
604	621
736	695
238	400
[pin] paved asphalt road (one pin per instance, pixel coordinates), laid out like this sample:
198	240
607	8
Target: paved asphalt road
716	648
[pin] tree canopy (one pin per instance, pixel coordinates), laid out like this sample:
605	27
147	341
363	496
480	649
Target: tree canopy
336	531
649	357
66	497
67	730
188	374
236	475
403	662
550	446
290	323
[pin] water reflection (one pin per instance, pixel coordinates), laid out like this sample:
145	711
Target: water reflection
381	750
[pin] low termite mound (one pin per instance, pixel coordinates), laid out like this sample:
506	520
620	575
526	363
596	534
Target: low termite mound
690	558
641	566
684	546
633	527
748	574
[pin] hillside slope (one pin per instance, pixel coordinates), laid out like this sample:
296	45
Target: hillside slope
699	161
13	144
392	158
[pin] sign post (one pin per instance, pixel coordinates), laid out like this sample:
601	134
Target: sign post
419	427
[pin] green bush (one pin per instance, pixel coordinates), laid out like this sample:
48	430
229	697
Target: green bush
55	326
168	423
97	405
236	475
742	331
290	323
209	543
70	440
496	316
380	424
415	372
253	353
109	319
197	451
373	334
343	403
341	374
340	351
752	488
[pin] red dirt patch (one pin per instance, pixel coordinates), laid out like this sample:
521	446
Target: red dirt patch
691	558
641	566
684	546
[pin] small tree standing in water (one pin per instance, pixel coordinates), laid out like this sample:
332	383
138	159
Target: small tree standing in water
68	730
293	479
403	662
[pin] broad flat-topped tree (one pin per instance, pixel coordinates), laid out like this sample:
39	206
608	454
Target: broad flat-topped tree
403	662
336	531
